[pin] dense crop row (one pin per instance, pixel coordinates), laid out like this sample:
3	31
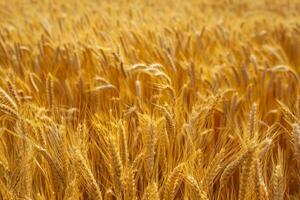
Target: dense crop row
149	99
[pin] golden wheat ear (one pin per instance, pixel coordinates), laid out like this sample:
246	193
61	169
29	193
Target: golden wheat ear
247	167
88	180
232	167
151	192
150	150
296	140
170	187
50	91
6	99
123	145
261	191
116	164
13	92
200	194
170	123
277	183
9	111
213	170
129	183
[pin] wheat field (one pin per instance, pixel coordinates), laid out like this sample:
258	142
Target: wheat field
150	100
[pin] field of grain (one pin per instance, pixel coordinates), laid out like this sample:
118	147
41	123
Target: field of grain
149	99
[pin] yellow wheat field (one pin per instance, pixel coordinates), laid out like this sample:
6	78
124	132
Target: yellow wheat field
149	99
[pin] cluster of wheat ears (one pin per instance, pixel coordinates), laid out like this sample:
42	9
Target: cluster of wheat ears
152	100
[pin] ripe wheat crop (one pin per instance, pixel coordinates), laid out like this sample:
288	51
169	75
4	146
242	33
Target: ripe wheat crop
149	99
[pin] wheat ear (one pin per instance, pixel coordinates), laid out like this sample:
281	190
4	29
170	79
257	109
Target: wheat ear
244	180
296	140
230	169
277	184
150	150
86	175
129	184
7	100
212	170
252	120
172	182
116	164
50	92
151	192
123	146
